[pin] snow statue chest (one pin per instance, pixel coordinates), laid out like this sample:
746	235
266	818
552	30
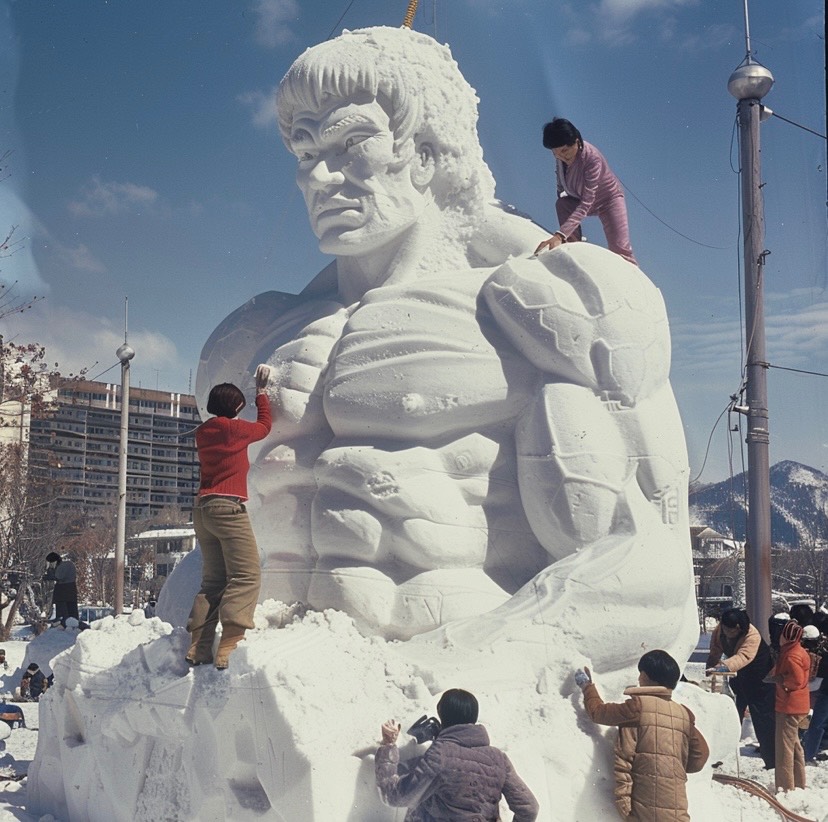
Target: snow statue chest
424	360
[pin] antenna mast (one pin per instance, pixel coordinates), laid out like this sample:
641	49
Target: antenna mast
748	84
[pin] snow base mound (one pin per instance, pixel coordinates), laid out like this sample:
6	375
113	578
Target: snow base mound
130	732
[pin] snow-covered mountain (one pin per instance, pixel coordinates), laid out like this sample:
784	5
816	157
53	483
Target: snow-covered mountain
799	499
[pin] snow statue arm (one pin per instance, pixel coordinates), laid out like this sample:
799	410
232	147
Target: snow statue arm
601	464
604	415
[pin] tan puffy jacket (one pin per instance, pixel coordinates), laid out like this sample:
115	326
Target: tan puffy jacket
658	745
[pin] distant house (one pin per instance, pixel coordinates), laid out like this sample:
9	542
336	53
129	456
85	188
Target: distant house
719	569
159	550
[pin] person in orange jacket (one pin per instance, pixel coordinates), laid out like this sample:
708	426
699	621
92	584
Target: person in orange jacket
793	701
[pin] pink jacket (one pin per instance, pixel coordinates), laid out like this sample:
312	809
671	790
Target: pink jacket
589	179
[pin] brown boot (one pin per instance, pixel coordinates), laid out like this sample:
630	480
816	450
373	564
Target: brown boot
199	654
231	636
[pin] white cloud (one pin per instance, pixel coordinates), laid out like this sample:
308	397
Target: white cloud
81	258
262	105
624	9
274	18
77	340
101	198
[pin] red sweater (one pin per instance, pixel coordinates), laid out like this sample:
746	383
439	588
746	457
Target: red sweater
222	450
794	666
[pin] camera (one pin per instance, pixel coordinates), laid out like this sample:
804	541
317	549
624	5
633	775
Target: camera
425	729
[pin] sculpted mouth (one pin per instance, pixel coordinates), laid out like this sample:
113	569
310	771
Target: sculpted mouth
335	208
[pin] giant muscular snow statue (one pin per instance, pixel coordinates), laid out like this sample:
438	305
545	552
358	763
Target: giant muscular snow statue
455	419
474	451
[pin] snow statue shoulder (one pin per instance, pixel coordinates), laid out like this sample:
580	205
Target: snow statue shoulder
460	428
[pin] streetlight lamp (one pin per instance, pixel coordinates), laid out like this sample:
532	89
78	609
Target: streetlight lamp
124	354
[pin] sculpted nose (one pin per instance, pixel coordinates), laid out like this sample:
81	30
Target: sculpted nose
325	173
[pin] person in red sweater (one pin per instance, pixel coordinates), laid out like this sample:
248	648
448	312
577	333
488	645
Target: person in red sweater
793	701
231	575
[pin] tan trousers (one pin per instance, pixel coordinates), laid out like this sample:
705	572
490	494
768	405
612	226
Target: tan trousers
790	759
231	574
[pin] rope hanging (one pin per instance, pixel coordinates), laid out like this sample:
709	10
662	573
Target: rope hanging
409	14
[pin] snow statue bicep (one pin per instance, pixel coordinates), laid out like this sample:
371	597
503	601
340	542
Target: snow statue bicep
597	330
600	457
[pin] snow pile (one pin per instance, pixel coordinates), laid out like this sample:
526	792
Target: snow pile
130	733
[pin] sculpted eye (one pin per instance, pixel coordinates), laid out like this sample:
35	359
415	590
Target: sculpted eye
304	156
354	140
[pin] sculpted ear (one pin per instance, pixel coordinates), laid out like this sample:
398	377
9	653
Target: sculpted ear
422	167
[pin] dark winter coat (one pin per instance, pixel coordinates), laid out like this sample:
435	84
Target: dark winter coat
658	745
460	778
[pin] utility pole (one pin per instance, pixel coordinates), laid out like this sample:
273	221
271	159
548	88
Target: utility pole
749	83
124	354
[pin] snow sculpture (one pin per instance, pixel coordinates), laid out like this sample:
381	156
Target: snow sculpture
455	420
475	451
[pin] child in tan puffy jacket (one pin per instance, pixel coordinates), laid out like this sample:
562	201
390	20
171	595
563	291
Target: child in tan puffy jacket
658	742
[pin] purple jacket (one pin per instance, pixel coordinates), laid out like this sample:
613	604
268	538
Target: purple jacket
589	179
460	778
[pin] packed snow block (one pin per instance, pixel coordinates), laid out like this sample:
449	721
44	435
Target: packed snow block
289	732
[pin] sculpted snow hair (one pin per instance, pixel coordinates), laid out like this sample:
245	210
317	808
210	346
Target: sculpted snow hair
397	68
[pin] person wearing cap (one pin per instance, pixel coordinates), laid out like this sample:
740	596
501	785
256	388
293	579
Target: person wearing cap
793	701
33	684
65	596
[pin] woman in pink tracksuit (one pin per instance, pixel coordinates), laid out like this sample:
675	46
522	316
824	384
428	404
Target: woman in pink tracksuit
586	187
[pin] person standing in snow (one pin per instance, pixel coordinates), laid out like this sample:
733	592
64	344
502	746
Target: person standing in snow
65	596
658	742
231	574
460	778
33	683
793	701
748	655
586	187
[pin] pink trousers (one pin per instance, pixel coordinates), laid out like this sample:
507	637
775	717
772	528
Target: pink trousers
613	217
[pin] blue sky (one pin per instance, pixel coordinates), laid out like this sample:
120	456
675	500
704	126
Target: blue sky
144	163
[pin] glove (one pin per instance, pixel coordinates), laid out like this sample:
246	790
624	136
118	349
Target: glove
262	376
582	678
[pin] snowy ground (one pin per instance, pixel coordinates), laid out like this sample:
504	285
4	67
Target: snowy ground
811	803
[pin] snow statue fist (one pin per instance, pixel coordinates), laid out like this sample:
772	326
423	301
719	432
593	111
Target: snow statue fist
462	429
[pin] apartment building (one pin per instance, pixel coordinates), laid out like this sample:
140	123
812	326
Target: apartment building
77	444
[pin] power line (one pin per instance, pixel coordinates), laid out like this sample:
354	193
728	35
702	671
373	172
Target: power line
798	125
796	370
674	230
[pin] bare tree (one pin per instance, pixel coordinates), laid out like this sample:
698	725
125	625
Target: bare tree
803	570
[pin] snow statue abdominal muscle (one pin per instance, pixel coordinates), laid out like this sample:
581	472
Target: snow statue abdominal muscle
469	440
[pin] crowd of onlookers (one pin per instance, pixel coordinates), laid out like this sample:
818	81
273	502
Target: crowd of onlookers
782	684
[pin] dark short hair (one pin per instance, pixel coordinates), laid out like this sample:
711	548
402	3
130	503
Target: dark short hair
735	618
457	707
660	667
224	400
52	556
33	667
559	133
802	613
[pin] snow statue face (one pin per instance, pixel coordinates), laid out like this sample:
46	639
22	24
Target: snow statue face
466	438
357	183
